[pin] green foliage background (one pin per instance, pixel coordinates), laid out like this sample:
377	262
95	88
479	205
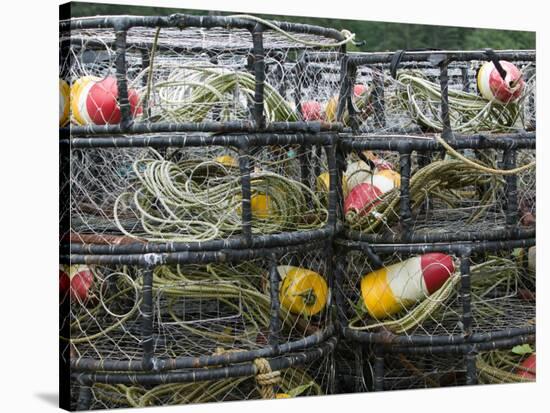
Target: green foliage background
379	36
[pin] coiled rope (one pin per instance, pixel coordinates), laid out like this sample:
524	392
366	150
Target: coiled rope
198	201
468	112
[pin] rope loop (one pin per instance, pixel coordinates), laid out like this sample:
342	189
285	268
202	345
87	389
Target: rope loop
266	378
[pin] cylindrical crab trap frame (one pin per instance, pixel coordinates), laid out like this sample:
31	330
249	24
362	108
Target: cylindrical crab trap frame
203	73
416	189
453	299
228	184
195	316
438	202
194	202
439	91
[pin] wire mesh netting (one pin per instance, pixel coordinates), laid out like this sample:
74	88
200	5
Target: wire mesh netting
194	194
406	371
191	162
513	365
311	379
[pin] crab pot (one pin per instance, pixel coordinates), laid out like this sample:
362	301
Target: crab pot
414	189
233	200
304	380
190	317
440	91
183	72
158	193
459	298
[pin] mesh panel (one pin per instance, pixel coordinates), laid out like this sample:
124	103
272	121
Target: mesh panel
194	194
405	371
197	310
445	193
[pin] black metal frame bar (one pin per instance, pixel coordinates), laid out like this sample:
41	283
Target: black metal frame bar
87	379
195	375
435	59
436	56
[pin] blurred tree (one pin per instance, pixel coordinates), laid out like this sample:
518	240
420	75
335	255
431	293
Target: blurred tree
378	36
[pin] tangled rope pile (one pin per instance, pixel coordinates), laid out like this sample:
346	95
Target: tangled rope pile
293	382
503	366
468	112
442	180
199	201
195	307
191	92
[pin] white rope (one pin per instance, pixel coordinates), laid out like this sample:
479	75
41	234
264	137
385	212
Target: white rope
349	37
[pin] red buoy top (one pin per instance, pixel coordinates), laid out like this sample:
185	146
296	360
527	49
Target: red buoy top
311	110
360	196
528	367
436	269
102	102
503	90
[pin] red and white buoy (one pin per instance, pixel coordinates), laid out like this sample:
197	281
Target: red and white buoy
362	198
391	289
357	173
94	101
78	279
365	196
496	89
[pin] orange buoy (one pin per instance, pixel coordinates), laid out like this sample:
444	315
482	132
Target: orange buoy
302	291
261	206
227	160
